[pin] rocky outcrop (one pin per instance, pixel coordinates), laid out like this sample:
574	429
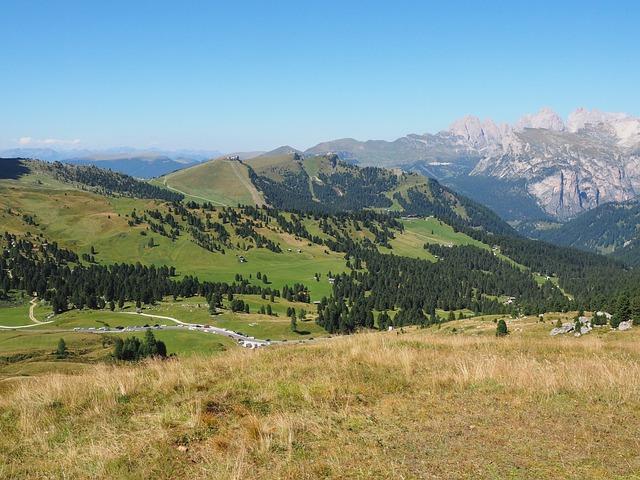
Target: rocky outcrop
581	326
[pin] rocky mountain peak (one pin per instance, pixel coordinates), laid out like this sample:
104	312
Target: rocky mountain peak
479	133
624	127
546	118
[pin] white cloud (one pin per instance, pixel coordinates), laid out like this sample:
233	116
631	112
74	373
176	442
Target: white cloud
46	142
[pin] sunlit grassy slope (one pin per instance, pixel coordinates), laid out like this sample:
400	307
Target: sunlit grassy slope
426	404
79	220
419	232
220	181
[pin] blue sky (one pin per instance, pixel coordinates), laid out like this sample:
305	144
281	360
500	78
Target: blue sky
255	75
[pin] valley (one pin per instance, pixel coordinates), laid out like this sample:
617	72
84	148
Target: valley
269	263
319	240
307	321
299	304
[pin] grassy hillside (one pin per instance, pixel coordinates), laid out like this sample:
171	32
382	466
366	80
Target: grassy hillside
276	166
450	403
222	182
420	231
79	220
286	179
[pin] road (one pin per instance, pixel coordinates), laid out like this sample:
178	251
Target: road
246	340
209	329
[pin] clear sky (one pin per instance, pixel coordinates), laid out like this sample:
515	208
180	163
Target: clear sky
239	75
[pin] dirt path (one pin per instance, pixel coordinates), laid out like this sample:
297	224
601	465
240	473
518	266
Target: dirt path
255	195
35	322
32	317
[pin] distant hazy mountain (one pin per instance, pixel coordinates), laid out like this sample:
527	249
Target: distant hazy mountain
549	168
134	162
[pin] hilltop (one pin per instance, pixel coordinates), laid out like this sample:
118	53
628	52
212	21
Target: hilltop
286	179
222	181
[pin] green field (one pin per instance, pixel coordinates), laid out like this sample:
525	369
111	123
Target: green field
80	220
15	316
40	340
221	182
15	312
419	231
32	352
195	310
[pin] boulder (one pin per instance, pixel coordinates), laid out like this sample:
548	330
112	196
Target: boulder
565	328
625	325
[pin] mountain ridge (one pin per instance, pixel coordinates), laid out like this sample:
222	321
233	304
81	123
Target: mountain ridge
567	167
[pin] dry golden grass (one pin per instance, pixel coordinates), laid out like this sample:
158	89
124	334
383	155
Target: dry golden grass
426	404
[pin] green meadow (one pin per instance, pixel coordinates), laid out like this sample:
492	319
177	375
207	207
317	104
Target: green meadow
221	182
80	220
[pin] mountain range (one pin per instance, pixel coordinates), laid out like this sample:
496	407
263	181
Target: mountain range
541	174
551	168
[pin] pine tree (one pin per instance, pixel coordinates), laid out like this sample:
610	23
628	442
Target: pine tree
635	310
623	308
149	346
161	349
61	351
118	348
501	328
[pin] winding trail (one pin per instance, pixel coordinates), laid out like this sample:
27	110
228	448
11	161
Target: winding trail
35	322
32	317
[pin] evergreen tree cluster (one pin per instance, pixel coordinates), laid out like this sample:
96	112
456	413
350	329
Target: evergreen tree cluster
133	349
105	182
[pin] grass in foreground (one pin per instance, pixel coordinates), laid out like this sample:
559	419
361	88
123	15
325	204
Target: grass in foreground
430	403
